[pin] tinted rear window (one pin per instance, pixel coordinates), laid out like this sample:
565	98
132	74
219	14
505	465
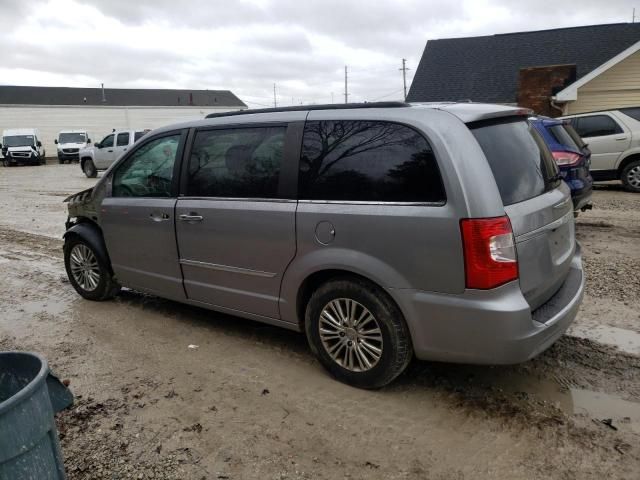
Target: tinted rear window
519	159
562	136
574	135
351	160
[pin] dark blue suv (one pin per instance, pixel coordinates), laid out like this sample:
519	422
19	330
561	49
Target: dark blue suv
572	156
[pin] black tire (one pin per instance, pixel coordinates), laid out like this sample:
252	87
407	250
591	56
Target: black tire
630	176
60	161
89	168
6	162
397	350
106	287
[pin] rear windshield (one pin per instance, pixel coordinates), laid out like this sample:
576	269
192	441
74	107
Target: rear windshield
562	137
519	159
574	135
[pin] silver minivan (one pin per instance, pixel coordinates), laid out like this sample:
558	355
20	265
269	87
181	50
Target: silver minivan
381	230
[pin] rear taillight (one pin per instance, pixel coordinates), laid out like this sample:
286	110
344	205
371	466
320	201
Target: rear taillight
566	158
489	252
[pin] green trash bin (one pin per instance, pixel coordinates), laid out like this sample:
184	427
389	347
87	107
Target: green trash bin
29	396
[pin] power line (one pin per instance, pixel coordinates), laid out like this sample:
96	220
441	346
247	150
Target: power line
387	95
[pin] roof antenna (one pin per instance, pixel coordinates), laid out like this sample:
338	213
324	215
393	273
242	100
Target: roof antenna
104	98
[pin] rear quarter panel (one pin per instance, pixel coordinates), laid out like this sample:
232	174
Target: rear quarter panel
398	246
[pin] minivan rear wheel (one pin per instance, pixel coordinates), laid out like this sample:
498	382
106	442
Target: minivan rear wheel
357	333
87	272
631	176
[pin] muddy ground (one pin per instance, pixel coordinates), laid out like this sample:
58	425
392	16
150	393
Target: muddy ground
251	402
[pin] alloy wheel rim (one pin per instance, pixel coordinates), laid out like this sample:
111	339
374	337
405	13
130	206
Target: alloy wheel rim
84	267
87	168
633	176
350	334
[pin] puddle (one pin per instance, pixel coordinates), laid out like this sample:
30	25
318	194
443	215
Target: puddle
626	340
624	414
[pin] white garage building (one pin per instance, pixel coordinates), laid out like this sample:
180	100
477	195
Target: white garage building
99	111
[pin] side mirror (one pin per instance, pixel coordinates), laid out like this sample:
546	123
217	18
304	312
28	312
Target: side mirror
39	143
55	141
88	140
97	145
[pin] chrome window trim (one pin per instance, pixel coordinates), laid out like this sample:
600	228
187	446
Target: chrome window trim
368	202
226	268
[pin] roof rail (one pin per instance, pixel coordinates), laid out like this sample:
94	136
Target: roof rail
304	108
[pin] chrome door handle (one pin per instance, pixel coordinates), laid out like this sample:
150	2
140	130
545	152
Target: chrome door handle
620	139
191	218
109	150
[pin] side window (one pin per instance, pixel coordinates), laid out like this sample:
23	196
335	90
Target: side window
367	161
123	139
148	172
240	163
138	135
597	126
107	141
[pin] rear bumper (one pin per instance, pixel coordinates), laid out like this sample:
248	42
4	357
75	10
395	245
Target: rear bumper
489	327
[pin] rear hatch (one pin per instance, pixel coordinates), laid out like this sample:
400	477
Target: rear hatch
536	201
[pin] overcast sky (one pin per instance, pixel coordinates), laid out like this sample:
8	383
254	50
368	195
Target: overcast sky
248	45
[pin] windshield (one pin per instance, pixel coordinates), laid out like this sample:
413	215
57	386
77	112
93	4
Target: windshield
18	141
72	138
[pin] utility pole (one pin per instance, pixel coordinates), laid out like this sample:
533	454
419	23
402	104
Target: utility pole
332	98
346	91
275	102
404	76
633	18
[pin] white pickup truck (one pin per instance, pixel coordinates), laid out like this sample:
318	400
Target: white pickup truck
102	154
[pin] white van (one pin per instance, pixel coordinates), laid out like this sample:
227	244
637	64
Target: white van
69	143
22	145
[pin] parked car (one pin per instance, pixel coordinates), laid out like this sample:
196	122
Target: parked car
572	156
381	230
69	143
22	145
102	154
613	136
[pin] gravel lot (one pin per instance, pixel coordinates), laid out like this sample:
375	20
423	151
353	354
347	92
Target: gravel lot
251	401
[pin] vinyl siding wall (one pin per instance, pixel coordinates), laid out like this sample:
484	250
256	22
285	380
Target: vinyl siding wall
99	121
617	87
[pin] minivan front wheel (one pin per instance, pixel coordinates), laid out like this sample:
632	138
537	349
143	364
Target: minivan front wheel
88	274
357	333
631	176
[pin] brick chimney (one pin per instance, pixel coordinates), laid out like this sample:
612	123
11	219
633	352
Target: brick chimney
536	86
